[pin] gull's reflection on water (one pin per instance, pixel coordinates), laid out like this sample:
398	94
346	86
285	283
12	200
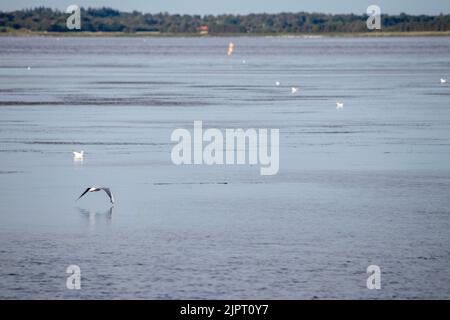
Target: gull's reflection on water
78	162
95	217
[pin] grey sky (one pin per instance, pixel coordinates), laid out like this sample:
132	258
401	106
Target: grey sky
244	6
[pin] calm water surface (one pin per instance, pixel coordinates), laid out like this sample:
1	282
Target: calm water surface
369	184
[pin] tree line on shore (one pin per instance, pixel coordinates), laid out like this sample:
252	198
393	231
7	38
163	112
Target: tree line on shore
111	20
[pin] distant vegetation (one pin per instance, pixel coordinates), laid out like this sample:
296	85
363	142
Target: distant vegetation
110	20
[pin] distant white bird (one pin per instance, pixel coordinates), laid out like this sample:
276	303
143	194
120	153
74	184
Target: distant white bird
443	80
339	105
294	90
244	62
277	83
78	155
28	68
95	189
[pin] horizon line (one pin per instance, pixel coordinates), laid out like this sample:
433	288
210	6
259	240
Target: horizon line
225	13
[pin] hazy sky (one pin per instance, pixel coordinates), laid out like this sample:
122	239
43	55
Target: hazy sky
244	6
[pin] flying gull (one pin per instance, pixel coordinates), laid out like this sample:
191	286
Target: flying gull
78	155
95	189
339	105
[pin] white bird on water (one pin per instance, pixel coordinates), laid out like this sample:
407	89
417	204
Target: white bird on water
294	90
443	80
277	83
95	189
78	155
339	105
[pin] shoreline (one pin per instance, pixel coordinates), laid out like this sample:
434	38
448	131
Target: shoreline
373	34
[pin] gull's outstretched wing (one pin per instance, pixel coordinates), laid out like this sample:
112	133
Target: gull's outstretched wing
108	192
85	191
